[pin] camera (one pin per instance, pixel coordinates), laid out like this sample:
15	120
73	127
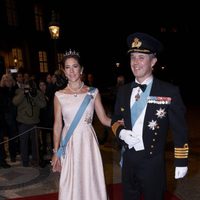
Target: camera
31	89
33	92
26	90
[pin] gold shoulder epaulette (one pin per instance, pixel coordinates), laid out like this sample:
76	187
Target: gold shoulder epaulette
181	152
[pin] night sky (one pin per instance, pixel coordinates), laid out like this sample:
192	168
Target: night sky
99	32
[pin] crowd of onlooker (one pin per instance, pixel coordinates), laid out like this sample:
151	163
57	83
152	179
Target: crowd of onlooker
26	104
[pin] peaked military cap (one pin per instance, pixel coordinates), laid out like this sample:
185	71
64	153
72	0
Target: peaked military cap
144	43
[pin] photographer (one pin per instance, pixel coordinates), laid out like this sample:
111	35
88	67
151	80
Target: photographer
29	100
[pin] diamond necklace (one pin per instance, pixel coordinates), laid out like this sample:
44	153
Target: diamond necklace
75	91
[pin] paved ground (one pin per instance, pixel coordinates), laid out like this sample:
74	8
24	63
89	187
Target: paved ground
18	181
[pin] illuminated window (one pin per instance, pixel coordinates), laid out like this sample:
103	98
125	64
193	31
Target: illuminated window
43	61
11	13
60	57
39	22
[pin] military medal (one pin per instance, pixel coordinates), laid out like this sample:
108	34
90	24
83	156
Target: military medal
137	96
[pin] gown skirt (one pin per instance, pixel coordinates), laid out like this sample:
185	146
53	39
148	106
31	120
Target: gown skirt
82	173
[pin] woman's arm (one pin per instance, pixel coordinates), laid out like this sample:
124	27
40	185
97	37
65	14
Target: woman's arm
57	129
100	111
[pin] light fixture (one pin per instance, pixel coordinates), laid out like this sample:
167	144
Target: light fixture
15	61
54	26
54	29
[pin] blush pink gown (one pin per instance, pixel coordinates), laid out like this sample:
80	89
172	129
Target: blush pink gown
82	175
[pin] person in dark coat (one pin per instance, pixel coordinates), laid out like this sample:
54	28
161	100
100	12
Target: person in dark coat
29	101
3	163
148	108
10	124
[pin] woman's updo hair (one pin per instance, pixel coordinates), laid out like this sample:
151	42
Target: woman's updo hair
71	54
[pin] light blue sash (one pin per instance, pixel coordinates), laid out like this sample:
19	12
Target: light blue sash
88	97
139	105
136	110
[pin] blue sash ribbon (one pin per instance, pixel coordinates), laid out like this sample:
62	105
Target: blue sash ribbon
136	110
88	97
139	105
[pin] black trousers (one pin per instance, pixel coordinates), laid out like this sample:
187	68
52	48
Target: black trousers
2	150
11	130
143	176
29	134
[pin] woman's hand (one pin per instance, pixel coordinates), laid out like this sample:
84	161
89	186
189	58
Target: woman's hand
121	122
56	163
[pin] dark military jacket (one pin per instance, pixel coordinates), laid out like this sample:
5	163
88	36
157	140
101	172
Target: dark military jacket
165	110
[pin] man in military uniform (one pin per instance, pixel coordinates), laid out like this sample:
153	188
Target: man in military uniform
148	107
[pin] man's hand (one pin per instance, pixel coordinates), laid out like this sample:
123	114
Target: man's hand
180	172
128	138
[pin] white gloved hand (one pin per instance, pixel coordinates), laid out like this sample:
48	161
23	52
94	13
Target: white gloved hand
128	138
180	172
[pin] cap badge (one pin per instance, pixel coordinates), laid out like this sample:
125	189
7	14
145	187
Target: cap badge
136	43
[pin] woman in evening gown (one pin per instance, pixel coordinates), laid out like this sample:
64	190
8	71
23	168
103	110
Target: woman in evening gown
80	164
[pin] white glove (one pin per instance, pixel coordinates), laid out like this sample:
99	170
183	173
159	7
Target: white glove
180	172
128	138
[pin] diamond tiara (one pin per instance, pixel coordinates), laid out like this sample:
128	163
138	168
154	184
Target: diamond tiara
71	53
